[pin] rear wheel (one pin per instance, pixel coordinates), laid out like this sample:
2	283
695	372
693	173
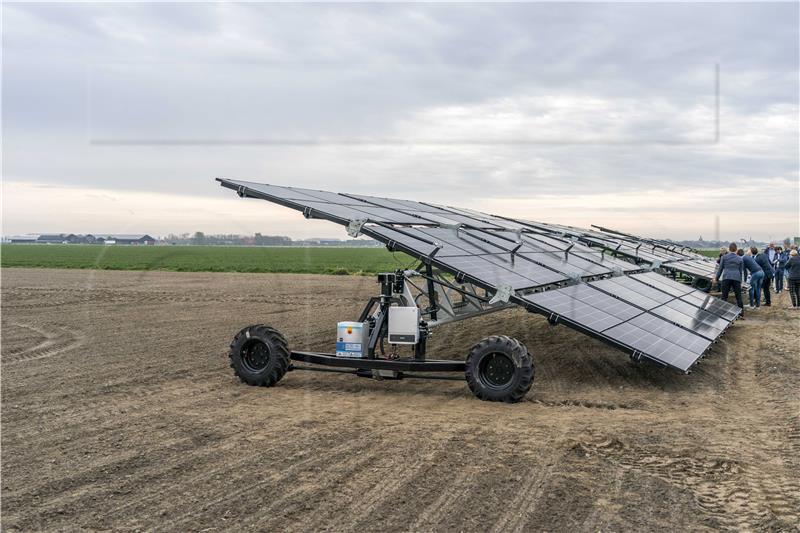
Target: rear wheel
259	355
499	369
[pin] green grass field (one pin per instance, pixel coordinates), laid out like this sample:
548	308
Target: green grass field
365	261
712	253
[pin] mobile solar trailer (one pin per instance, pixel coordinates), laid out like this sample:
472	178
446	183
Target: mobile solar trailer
490	262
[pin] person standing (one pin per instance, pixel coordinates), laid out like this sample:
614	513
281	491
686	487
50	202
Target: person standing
729	273
780	268
765	263
722	251
756	277
793	269
770	250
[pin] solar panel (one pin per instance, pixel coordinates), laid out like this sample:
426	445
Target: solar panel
643	313
656	346
481	267
677	316
694	268
569	265
714	305
619	321
622	288
660	282
541	274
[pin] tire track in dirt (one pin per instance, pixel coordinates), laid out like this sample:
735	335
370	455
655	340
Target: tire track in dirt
522	507
17	298
57	340
433	514
398	477
217	501
205	462
727	489
210	466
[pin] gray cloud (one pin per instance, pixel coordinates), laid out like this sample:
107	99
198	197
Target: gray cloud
534	99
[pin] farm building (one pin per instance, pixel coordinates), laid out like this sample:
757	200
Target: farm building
123	238
71	238
45	238
23	238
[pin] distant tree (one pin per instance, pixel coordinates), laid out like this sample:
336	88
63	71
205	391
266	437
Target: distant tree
199	238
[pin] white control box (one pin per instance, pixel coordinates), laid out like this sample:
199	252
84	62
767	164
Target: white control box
404	325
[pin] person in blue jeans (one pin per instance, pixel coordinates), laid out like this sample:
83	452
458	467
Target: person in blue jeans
756	277
765	263
729	273
780	268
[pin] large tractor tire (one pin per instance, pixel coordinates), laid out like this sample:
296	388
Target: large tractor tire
499	369
259	355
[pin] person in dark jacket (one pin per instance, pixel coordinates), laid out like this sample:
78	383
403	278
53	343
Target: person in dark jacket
750	265
793	270
765	263
729	273
779	265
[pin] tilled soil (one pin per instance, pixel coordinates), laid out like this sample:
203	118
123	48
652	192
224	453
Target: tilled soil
119	411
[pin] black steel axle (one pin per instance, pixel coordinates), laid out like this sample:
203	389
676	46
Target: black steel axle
400	365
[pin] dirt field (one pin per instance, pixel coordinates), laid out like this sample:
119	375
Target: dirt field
119	411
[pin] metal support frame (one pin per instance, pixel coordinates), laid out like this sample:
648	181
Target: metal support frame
440	302
448	301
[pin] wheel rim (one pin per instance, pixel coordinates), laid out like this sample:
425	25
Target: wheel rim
496	370
255	355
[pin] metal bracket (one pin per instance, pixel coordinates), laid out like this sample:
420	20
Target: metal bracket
636	356
240	191
514	251
354	227
553	319
636	250
435	251
503	294
566	251
307	212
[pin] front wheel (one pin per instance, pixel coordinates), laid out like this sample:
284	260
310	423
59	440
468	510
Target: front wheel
259	355
499	369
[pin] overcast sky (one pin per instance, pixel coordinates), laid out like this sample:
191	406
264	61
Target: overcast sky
117	117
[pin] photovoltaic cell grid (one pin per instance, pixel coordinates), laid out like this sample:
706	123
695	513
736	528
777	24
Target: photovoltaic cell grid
485	245
674	327
696	268
670	256
644	312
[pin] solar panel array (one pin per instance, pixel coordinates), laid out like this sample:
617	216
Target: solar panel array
641	250
554	270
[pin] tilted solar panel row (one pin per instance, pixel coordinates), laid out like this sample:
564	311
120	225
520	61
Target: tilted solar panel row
640	312
654	316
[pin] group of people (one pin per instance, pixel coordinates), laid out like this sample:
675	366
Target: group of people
773	263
